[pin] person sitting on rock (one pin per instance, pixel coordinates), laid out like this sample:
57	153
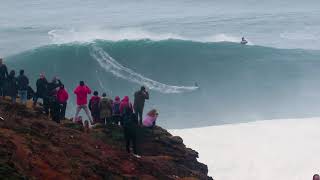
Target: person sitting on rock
82	92
129	124
150	119
94	106
105	109
116	111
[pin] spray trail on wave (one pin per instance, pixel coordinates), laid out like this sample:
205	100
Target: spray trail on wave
111	65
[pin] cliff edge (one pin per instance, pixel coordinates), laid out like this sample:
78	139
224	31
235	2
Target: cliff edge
34	147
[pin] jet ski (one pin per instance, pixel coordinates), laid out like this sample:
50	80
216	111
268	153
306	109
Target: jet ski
244	42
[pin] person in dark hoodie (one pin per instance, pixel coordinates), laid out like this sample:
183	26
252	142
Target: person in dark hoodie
129	124
12	86
94	106
3	77
23	83
42	88
139	100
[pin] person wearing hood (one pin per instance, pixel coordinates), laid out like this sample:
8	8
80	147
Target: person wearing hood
129	124
105	109
139	99
94	106
42	88
82	91
62	97
116	116
12	86
151	118
23	83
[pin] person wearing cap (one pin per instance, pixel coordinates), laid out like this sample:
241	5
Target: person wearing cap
139	100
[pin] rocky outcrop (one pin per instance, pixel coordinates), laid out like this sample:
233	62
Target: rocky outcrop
34	147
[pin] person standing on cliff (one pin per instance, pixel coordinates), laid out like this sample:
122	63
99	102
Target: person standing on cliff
11	86
23	83
129	124
82	92
3	77
139	100
62	97
42	90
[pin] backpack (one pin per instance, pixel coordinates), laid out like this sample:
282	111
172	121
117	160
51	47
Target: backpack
116	109
94	106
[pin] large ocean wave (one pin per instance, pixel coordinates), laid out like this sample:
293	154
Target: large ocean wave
236	83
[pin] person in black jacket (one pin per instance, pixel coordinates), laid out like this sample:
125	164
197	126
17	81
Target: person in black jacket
12	86
52	95
3	77
139	100
23	83
42	91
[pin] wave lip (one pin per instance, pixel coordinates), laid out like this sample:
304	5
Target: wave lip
117	69
59	36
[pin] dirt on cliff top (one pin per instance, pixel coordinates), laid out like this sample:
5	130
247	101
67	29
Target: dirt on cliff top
34	147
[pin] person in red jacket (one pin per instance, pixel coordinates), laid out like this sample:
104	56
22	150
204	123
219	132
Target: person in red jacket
82	92
62	97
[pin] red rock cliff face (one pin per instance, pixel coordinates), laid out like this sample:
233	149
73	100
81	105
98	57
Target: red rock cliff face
34	147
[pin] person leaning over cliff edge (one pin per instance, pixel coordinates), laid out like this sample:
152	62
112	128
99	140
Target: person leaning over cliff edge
42	88
139	100
23	83
11	87
82	92
129	124
62	97
3	77
94	103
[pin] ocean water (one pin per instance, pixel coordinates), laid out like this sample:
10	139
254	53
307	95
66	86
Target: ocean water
172	46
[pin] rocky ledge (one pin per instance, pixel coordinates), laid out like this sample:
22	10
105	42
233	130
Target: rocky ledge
34	147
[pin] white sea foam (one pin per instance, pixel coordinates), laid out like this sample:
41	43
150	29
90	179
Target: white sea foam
117	69
263	150
68	36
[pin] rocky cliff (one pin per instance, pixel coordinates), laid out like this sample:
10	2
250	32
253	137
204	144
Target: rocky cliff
34	147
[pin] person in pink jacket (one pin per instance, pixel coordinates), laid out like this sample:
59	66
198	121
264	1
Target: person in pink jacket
62	97
82	92
151	118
